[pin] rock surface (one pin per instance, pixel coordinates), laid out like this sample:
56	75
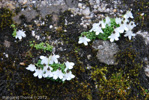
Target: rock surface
145	36
106	51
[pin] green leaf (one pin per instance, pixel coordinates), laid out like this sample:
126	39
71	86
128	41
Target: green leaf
31	45
57	80
146	90
14	33
56	66
89	35
13	26
39	65
14	30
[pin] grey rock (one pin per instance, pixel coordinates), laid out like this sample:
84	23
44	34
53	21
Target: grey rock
106	51
29	14
7	44
52	9
23	1
145	35
71	3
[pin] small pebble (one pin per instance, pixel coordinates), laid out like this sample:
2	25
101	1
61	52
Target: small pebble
51	26
22	63
114	10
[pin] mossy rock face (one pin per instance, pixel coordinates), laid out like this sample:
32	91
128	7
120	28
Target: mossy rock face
17	81
131	62
5	18
129	70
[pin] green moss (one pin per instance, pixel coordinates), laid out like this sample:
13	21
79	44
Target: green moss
117	85
128	62
65	15
41	46
131	65
112	87
59	30
5	18
99	74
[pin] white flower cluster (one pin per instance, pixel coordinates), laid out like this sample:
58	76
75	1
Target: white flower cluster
48	72
20	34
125	26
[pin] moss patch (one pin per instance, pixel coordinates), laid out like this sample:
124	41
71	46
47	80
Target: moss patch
5	18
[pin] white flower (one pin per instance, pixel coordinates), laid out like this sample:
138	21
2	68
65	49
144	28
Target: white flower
45	68
49	60
114	36
69	65
108	21
96	28
44	60
68	76
39	73
129	34
58	74
33	33
128	15
31	67
118	20
37	37
131	25
84	40
20	34
47	71
117	30
147	69
54	59
125	20
122	28
103	24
